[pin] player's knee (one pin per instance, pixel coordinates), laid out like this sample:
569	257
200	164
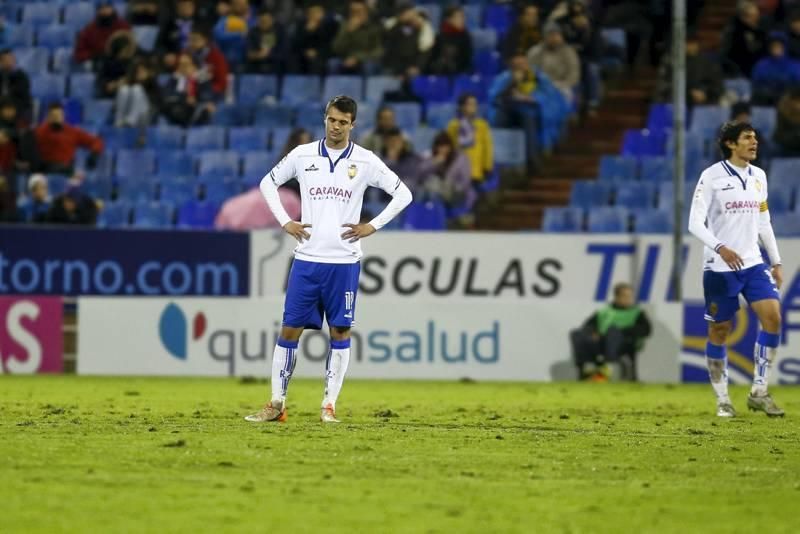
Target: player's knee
291	334
718	332
771	322
340	333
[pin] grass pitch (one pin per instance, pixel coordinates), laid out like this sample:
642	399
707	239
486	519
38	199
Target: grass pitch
167	455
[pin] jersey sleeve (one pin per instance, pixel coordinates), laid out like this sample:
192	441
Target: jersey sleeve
280	174
701	202
284	170
383	177
765	232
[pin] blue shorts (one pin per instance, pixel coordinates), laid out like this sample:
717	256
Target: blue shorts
317	290
722	290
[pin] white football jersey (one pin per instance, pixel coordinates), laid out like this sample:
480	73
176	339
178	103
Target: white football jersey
728	206
331	193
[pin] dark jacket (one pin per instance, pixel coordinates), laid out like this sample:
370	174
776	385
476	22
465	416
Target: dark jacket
742	47
85	213
92	40
603	319
172	35
519	40
701	73
787	131
320	40
403	41
452	52
276	41
16	86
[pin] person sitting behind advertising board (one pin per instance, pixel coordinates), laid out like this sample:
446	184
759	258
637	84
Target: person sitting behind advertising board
615	333
73	207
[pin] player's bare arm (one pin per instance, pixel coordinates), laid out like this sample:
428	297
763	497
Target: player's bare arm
357	231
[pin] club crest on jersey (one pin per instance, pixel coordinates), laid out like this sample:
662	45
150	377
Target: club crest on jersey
352	170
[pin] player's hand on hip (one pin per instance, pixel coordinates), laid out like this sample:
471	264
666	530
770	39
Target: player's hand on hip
297	230
357	231
777	274
731	258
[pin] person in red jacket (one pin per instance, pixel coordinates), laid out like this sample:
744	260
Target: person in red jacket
213	65
91	43
58	141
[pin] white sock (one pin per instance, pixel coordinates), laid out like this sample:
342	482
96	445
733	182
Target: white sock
283	361
717	363
764	353
335	369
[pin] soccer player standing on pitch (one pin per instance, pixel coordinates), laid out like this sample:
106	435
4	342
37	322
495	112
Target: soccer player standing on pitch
333	174
729	215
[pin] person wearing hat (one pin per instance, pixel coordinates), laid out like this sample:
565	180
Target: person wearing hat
35	207
92	40
775	73
73	207
557	60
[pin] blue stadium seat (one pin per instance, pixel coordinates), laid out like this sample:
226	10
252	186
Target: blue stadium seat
608	220
509	146
197	214
136	189
786	225
697	145
366	116
483	39
590	193
18	36
105	164
40	13
279	137
708	118
617	168
98	186
62	60
54	36
48	87
659	117
299	88
472	14
165	137
439	114
96	113
146	37
219	191
218	163
114	215
82	85
273	115
474	84
257	88
433	12
422	138
56	184
343	85
205	138
232	115
177	191
430	215
563	219
173	163
635	195
499	17
310	115
377	86
765	120
119	138
652	222
655	169
33	59
409	114
79	14
255	165
432	88
136	164
781	200
666	195
645	142
152	214
739	86
246	138
784	170
487	62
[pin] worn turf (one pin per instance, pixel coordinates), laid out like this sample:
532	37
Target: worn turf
168	455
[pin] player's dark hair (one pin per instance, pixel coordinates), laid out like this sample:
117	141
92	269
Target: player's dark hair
463	97
345	104
620	287
729	133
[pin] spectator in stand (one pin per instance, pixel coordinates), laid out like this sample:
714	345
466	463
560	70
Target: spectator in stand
704	80
57	143
775	73
579	33
744	42
452	53
188	97
73	207
15	84
173	36
35	207
525	33
358	42
93	39
22	147
403	36
557	60
230	32
398	155
385	122
313	38
521	97
138	97
248	211
210	62
266	46
447	174
116	64
793	34
472	136
144	12
787	132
